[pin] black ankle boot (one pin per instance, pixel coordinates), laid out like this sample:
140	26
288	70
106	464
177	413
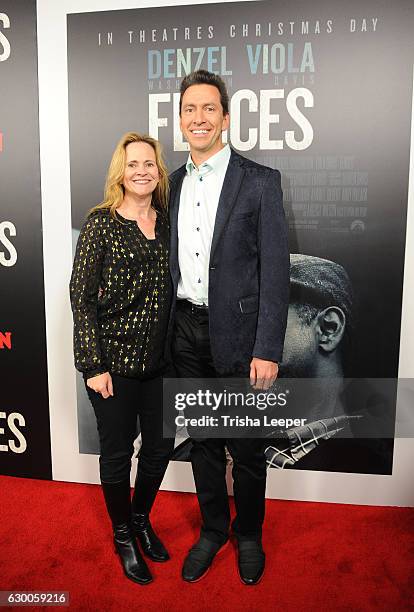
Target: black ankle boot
132	562
146	489
151	545
118	503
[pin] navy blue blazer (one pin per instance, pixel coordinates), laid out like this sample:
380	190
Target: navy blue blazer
248	294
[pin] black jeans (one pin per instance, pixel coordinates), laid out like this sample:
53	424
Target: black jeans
117	427
192	359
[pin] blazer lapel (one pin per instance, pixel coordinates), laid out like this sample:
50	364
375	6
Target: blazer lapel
174	207
229	192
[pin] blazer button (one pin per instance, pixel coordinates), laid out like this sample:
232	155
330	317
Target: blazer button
212	267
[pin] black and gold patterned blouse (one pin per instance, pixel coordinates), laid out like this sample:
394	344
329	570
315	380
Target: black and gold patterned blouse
120	295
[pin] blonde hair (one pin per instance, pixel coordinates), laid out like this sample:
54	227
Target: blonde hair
114	189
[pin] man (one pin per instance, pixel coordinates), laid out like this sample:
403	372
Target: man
230	268
346	426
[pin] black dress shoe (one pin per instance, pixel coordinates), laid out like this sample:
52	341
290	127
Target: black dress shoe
199	559
151	545
132	562
251	561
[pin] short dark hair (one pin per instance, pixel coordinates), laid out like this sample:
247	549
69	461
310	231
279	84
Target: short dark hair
204	77
306	312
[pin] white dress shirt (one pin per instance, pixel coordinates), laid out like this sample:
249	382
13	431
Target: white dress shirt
199	199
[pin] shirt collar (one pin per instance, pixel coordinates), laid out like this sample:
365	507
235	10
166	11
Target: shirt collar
216	163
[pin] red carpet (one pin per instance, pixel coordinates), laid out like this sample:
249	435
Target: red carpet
56	536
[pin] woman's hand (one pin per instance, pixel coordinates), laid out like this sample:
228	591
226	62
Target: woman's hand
101	384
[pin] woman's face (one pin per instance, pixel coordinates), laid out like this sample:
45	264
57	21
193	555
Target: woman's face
141	174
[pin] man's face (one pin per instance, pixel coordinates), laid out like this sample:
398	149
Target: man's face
202	120
300	352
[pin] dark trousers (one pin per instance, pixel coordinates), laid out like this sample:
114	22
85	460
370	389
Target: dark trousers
117	427
192	359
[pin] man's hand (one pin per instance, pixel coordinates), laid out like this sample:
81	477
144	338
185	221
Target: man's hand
263	373
101	384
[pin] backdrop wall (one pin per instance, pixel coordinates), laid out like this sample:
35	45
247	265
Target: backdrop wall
24	411
317	108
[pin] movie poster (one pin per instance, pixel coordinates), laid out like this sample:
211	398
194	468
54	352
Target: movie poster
322	93
24	406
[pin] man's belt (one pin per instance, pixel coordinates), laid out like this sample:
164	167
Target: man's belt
188	306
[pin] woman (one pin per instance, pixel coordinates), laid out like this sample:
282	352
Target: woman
120	295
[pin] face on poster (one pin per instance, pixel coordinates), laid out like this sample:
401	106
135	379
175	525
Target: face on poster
320	94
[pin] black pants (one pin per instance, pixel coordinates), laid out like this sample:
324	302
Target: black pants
192	359
117	427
